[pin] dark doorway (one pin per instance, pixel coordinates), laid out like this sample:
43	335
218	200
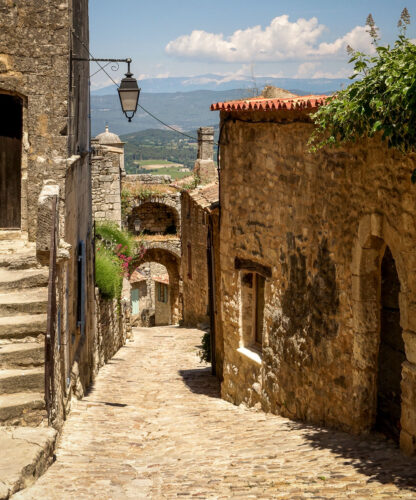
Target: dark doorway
391	353
11	121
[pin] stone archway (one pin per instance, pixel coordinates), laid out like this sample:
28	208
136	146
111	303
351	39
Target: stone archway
153	217
377	255
172	264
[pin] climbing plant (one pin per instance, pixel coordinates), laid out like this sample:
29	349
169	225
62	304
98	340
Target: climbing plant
381	100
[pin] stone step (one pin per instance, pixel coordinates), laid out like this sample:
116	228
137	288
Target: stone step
18	279
19	260
14	381
12	234
20	327
29	454
23	408
31	301
20	355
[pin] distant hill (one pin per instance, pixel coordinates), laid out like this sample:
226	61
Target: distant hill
156	144
220	83
183	110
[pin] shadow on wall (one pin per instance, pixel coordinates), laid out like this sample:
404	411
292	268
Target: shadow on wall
201	381
371	455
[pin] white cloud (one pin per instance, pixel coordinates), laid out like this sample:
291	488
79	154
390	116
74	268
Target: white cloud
313	70
281	40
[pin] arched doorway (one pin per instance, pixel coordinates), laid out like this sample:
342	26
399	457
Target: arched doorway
11	132
391	353
380	310
171	285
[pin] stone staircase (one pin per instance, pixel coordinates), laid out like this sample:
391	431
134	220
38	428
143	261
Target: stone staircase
23	306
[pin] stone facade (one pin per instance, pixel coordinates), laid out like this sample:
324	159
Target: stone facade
48	96
107	171
196	207
302	242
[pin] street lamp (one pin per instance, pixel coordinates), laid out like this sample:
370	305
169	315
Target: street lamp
129	92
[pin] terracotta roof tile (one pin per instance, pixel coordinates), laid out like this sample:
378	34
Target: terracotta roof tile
164	278
264	104
205	196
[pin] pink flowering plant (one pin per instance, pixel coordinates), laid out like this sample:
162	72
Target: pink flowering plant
116	250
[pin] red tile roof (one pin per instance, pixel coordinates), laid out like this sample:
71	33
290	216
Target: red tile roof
206	195
164	278
264	104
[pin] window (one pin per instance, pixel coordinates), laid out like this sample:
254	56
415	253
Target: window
162	292
252	309
259	313
189	261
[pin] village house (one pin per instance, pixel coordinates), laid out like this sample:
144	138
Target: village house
51	340
318	280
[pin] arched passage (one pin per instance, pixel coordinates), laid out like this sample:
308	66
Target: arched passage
172	265
153	217
11	132
380	294
391	353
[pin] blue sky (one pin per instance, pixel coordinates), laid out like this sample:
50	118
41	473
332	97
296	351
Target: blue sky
298	38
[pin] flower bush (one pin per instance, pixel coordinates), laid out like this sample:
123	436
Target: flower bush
115	251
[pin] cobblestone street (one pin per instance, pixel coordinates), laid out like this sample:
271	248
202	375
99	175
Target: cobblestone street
154	427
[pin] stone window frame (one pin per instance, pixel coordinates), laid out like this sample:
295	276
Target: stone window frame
251	274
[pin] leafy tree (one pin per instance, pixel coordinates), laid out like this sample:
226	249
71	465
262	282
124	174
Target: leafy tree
382	100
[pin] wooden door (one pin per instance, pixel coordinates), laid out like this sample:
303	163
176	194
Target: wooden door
10	161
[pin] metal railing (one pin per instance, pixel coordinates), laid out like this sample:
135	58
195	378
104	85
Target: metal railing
51	317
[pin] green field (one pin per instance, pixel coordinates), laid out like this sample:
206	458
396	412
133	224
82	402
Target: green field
153	162
172	171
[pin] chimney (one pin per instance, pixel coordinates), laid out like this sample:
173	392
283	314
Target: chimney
205	167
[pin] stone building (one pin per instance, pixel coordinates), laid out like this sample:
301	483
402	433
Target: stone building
44	154
318	278
200	251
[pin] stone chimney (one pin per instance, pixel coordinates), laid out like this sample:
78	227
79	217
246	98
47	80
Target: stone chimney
205	167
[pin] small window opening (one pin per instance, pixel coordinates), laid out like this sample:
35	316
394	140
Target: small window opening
252	312
189	261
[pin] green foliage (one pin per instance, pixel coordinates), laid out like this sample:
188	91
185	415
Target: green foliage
115	249
192	184
116	239
108	273
382	102
205	348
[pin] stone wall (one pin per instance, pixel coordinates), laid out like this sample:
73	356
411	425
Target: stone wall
106	172
113	328
194	267
316	226
35	48
148	179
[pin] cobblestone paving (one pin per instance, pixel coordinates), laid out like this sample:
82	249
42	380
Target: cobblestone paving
154	427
